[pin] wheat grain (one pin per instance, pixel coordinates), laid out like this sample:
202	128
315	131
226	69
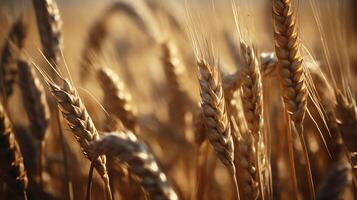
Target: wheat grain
267	63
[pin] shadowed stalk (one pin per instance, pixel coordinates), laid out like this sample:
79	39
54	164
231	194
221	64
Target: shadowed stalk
89	182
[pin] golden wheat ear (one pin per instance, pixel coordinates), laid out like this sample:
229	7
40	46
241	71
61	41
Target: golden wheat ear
215	116
346	112
218	129
12	170
49	25
98	32
79	121
337	181
34	99
125	147
252	102
117	100
8	70
178	99
245	158
291	73
232	82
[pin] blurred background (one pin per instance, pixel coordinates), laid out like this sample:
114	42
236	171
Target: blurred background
130	52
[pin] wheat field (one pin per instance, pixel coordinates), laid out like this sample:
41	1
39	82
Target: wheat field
178	99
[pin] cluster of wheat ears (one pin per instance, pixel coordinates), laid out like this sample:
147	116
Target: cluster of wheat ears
278	127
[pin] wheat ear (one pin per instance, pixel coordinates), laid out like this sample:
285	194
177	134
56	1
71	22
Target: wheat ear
336	182
252	92
232	82
34	99
49	25
268	60
178	98
289	60
347	122
267	63
291	72
252	102
125	147
36	107
347	115
8	70
12	170
213	106
325	93
116	99
244	158
215	117
136	10
80	123
94	42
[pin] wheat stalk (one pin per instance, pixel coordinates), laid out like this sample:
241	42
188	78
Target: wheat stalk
8	70
49	25
125	147
12	170
80	123
116	99
198	126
